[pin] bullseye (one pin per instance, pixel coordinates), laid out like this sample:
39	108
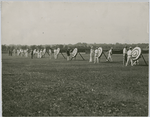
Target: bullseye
74	53
136	52
100	50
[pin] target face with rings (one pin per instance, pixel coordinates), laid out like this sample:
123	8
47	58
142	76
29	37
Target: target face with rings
136	52
58	50
74	53
100	50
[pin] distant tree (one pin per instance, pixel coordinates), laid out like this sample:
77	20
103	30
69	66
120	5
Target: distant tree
4	48
33	47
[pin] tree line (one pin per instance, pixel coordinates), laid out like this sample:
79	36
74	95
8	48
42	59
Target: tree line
82	47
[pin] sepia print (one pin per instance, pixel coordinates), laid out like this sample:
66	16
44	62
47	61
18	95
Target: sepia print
74	58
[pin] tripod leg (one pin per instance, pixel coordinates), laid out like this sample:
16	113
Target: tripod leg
144	59
47	53
75	56
63	55
105	56
71	58
81	56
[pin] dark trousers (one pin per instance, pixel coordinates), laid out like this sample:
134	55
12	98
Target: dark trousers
31	56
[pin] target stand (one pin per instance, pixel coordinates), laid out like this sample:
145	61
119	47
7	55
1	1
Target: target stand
62	55
58	51
47	53
75	53
137	54
100	53
44	51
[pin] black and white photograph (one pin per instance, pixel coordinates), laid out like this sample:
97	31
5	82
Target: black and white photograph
75	58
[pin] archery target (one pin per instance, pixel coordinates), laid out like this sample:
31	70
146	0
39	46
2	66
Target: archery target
74	53
58	50
136	52
100	50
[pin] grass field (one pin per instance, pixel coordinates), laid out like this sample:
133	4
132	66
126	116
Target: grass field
44	87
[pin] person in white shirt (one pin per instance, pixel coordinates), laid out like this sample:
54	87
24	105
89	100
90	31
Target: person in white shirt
55	53
110	54
26	52
91	53
40	53
129	58
18	52
34	52
96	59
43	53
21	52
125	55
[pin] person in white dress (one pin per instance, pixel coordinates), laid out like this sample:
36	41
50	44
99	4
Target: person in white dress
91	54
26	52
129	58
41	51
55	53
21	52
34	52
96	59
18	52
38	53
109	55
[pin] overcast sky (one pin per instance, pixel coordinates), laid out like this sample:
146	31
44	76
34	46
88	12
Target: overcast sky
72	22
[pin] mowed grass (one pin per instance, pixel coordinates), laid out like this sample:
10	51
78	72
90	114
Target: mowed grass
44	87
